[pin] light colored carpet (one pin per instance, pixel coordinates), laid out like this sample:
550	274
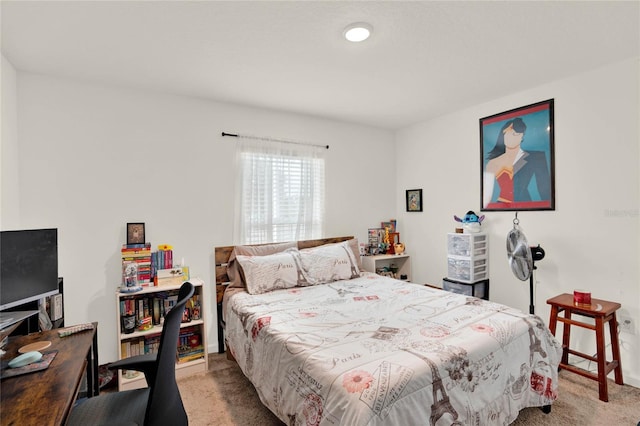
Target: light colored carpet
224	397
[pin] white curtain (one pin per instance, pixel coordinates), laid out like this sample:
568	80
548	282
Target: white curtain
279	192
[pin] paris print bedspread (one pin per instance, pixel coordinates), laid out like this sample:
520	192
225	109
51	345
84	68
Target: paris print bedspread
378	351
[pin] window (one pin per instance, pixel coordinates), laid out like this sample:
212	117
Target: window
280	194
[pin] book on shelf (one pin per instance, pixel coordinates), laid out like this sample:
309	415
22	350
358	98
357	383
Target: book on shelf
189	344
135	254
137	246
182	358
152	344
195	308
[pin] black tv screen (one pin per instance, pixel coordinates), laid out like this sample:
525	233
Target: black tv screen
29	266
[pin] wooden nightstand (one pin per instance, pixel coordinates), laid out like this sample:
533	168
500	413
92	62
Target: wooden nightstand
402	262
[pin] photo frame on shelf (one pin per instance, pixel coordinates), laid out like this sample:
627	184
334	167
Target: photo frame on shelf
374	236
391	225
523	176
414	200
135	233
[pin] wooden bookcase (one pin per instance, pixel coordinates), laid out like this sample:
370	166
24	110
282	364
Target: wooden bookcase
135	380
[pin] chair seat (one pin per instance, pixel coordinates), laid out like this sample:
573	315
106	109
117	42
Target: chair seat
118	408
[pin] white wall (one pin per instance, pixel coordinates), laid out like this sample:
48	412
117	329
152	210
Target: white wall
9	200
83	147
591	239
93	158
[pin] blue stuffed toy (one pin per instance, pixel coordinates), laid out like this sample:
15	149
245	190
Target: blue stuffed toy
470	222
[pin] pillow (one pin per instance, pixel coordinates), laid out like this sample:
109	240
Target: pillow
330	262
355	248
272	272
235	276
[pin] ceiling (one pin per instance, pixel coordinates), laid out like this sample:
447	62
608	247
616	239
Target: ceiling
424	59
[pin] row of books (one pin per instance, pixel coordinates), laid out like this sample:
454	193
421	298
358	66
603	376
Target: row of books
140	346
153	306
189	348
146	262
161	259
143	312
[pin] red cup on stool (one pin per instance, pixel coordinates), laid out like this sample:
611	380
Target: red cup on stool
581	297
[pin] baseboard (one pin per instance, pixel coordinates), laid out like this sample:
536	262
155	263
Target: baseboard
631	381
212	348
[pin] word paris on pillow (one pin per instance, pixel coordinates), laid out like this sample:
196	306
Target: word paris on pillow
235	275
330	262
272	272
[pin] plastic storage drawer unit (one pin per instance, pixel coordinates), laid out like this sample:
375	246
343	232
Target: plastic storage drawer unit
467	270
478	289
467	257
468	245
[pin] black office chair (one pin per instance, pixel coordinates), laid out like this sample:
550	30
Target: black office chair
159	403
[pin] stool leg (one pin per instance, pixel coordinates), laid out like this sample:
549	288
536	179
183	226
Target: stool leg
553	319
553	322
566	337
615	348
602	360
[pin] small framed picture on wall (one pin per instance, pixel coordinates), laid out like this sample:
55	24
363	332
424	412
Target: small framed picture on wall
414	200
135	233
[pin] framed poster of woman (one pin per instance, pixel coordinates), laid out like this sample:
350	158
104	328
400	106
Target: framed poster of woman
517	160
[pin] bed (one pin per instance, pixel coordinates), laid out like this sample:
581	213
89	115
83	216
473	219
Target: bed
325	343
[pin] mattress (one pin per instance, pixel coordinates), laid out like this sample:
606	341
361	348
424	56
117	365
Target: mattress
379	351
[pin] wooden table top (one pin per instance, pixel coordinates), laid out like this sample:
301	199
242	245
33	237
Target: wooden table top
45	397
598	307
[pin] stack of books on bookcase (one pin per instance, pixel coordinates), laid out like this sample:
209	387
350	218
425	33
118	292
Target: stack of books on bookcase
189	345
140	255
161	259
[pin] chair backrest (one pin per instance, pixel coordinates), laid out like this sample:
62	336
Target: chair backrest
165	404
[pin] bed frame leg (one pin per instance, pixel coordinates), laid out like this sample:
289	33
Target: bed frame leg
230	356
546	409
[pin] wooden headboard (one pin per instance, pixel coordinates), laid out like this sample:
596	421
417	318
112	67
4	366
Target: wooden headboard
222	255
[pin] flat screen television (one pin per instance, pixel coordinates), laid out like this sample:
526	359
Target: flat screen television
29	266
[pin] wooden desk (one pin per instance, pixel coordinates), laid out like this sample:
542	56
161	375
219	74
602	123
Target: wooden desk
46	397
603	312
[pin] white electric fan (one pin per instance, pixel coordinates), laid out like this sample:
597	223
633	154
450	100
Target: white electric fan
522	257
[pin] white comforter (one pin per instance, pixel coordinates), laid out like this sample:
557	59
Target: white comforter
377	351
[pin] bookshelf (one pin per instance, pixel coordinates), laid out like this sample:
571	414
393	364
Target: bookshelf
133	340
381	263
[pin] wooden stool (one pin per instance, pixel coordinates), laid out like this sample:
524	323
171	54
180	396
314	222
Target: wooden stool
603	312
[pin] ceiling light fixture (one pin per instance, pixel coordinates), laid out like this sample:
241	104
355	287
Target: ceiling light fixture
359	31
